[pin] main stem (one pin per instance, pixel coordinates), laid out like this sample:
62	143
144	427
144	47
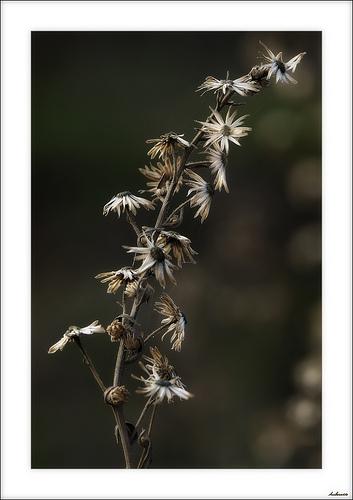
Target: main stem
120	424
119	410
118	371
119	365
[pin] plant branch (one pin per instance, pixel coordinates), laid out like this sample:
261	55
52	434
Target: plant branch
165	204
196	164
90	364
152	419
179	207
146	453
119	364
157	330
132	221
142	414
118	410
121	428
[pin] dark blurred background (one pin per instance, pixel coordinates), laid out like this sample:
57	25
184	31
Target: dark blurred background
252	355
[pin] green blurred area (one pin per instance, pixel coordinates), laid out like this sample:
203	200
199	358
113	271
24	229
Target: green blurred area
252	354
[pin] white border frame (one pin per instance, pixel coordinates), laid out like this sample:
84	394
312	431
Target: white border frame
18	19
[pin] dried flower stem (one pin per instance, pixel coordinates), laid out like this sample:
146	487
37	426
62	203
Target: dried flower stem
179	207
142	414
118	413
90	364
165	203
157	330
147	453
131	220
154	409
196	164
118	371
119	364
120	423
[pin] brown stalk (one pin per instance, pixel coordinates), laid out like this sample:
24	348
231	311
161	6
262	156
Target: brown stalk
90	364
157	330
117	411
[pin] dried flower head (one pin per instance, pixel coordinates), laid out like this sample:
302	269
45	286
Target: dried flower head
162	381
177	245
218	159
174	318
116	330
166	145
258	74
281	69
124	276
125	201
140	288
76	331
202	198
239	86
160	176
131	288
116	396
222	131
132	342
155	259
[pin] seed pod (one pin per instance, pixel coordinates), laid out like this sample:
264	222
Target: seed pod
116	396
259	74
116	330
131	288
144	439
133	345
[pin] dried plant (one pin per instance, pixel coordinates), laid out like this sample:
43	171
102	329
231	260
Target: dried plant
160	251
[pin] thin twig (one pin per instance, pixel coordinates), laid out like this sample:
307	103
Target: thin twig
179	207
152	419
145	455
165	204
142	414
119	418
196	164
90	364
157	330
131	220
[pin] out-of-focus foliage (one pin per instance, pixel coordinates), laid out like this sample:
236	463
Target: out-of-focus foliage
252	355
